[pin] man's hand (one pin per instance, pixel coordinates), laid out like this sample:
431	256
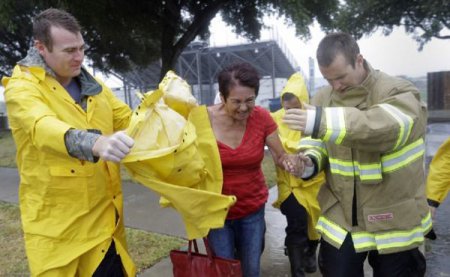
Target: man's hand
113	148
296	119
432	211
307	166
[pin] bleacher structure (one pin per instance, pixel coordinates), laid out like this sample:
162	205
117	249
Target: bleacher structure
199	65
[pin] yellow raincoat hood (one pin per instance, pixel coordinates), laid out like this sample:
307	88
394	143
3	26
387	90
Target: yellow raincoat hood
304	191
289	138
176	155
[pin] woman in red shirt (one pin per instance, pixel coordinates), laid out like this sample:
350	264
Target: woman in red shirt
242	130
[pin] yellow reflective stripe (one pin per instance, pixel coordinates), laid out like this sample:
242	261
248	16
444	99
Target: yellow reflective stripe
308	143
405	122
335	125
404	156
348	168
369	171
389	163
427	223
313	152
331	230
340	167
365	240
399	239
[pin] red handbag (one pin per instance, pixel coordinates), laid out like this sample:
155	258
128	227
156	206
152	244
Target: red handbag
194	264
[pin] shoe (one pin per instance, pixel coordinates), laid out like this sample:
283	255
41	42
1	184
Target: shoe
295	254
309	257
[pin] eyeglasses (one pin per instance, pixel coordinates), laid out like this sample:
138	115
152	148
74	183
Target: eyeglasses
237	103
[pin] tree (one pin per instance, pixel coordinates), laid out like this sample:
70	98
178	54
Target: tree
424	19
15	33
125	33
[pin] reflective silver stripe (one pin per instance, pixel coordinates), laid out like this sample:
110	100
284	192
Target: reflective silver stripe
404	156
370	171
340	167
335	125
389	163
348	168
400	241
318	155
427	223
308	143
403	120
365	240
312	142
373	173
331	230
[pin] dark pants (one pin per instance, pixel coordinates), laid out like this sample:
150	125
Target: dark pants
345	261
297	222
111	265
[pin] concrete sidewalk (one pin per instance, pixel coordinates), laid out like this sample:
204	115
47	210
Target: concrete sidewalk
142	211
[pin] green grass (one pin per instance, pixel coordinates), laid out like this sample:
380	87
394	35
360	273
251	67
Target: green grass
11	242
7	150
148	248
268	168
145	248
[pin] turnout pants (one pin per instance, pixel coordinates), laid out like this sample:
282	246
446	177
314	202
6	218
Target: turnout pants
345	261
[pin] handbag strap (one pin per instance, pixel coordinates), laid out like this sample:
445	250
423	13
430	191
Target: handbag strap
193	242
209	250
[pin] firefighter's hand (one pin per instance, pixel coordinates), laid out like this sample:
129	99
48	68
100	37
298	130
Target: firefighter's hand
306	166
432	211
114	147
296	119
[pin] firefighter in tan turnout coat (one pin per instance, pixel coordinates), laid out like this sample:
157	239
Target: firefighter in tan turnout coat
367	133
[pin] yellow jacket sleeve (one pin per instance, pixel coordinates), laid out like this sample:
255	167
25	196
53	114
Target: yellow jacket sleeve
438	182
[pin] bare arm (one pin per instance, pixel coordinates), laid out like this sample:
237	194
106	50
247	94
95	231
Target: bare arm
288	162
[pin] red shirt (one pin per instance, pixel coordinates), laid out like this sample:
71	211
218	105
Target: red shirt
242	173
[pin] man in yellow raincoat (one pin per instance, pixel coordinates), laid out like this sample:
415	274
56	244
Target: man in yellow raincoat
438	181
297	199
65	124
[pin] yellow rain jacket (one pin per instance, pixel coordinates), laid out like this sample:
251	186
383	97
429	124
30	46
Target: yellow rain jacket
304	191
438	182
68	206
176	155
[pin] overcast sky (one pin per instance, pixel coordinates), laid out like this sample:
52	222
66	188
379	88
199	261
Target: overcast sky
395	54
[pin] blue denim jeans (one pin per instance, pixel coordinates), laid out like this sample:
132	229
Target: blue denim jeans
241	239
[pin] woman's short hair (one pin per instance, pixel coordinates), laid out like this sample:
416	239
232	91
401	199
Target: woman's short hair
243	74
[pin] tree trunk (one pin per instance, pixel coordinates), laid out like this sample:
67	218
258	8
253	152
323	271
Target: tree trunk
171	49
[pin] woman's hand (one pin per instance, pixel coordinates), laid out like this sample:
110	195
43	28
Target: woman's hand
295	164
